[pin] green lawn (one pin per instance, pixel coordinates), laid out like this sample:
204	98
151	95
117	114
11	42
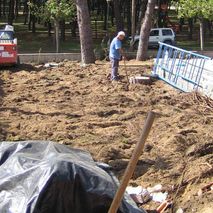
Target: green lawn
40	42
195	45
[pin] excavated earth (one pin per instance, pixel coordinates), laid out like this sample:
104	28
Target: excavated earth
78	106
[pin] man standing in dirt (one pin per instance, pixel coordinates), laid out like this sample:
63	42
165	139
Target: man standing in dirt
115	54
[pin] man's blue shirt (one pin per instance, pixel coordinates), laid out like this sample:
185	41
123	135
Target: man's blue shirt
114	48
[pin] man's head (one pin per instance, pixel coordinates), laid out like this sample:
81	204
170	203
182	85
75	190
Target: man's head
121	35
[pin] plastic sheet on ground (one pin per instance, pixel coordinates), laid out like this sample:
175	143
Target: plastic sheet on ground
142	195
40	177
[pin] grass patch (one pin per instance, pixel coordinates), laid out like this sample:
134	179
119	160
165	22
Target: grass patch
29	42
195	45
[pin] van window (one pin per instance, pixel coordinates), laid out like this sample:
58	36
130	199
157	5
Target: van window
6	35
167	32
154	33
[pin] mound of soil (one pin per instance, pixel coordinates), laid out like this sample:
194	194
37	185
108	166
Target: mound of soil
80	107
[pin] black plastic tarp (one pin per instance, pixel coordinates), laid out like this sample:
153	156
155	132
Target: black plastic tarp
47	177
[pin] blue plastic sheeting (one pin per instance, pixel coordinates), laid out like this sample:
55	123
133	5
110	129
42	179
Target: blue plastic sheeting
180	68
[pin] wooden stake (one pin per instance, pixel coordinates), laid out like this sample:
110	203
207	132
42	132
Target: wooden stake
132	163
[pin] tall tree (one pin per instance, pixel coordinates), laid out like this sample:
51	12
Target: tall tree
54	10
11	14
145	31
4	7
25	11
133	23
105	13
63	25
16	8
133	19
127	15
85	31
58	10
193	8
142	11
0	7
190	28
118	18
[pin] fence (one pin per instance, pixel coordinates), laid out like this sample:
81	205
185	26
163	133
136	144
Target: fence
184	70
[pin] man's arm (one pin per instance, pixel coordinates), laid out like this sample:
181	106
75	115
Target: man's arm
121	51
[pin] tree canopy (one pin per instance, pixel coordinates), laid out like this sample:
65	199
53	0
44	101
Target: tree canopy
60	9
54	9
202	9
195	8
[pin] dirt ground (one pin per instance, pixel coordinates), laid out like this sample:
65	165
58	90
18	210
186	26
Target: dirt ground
79	107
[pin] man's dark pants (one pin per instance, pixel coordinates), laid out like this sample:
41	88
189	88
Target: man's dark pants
115	65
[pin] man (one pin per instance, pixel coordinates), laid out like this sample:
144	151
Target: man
115	54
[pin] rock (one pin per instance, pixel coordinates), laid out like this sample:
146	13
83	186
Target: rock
191	150
148	148
140	80
180	210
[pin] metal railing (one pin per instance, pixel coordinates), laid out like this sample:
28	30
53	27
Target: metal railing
180	68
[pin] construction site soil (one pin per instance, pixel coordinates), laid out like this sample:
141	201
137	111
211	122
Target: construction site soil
79	107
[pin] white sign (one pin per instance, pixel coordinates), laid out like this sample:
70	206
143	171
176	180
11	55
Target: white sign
7	55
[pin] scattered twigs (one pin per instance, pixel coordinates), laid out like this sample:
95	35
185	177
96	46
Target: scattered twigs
208	164
202	100
163	206
185	182
204	189
178	188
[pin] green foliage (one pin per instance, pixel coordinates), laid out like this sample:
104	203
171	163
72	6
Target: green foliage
54	10
195	8
60	9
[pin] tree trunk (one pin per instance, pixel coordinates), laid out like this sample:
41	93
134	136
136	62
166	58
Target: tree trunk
74	26
25	12
107	19
16	8
127	11
105	15
145	31
159	14
190	28
62	24
85	31
0	8
57	40
133	25
201	34
210	27
49	28
112	17
33	23
205	27
11	12
29	21
181	23
118	18
4	7
142	14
